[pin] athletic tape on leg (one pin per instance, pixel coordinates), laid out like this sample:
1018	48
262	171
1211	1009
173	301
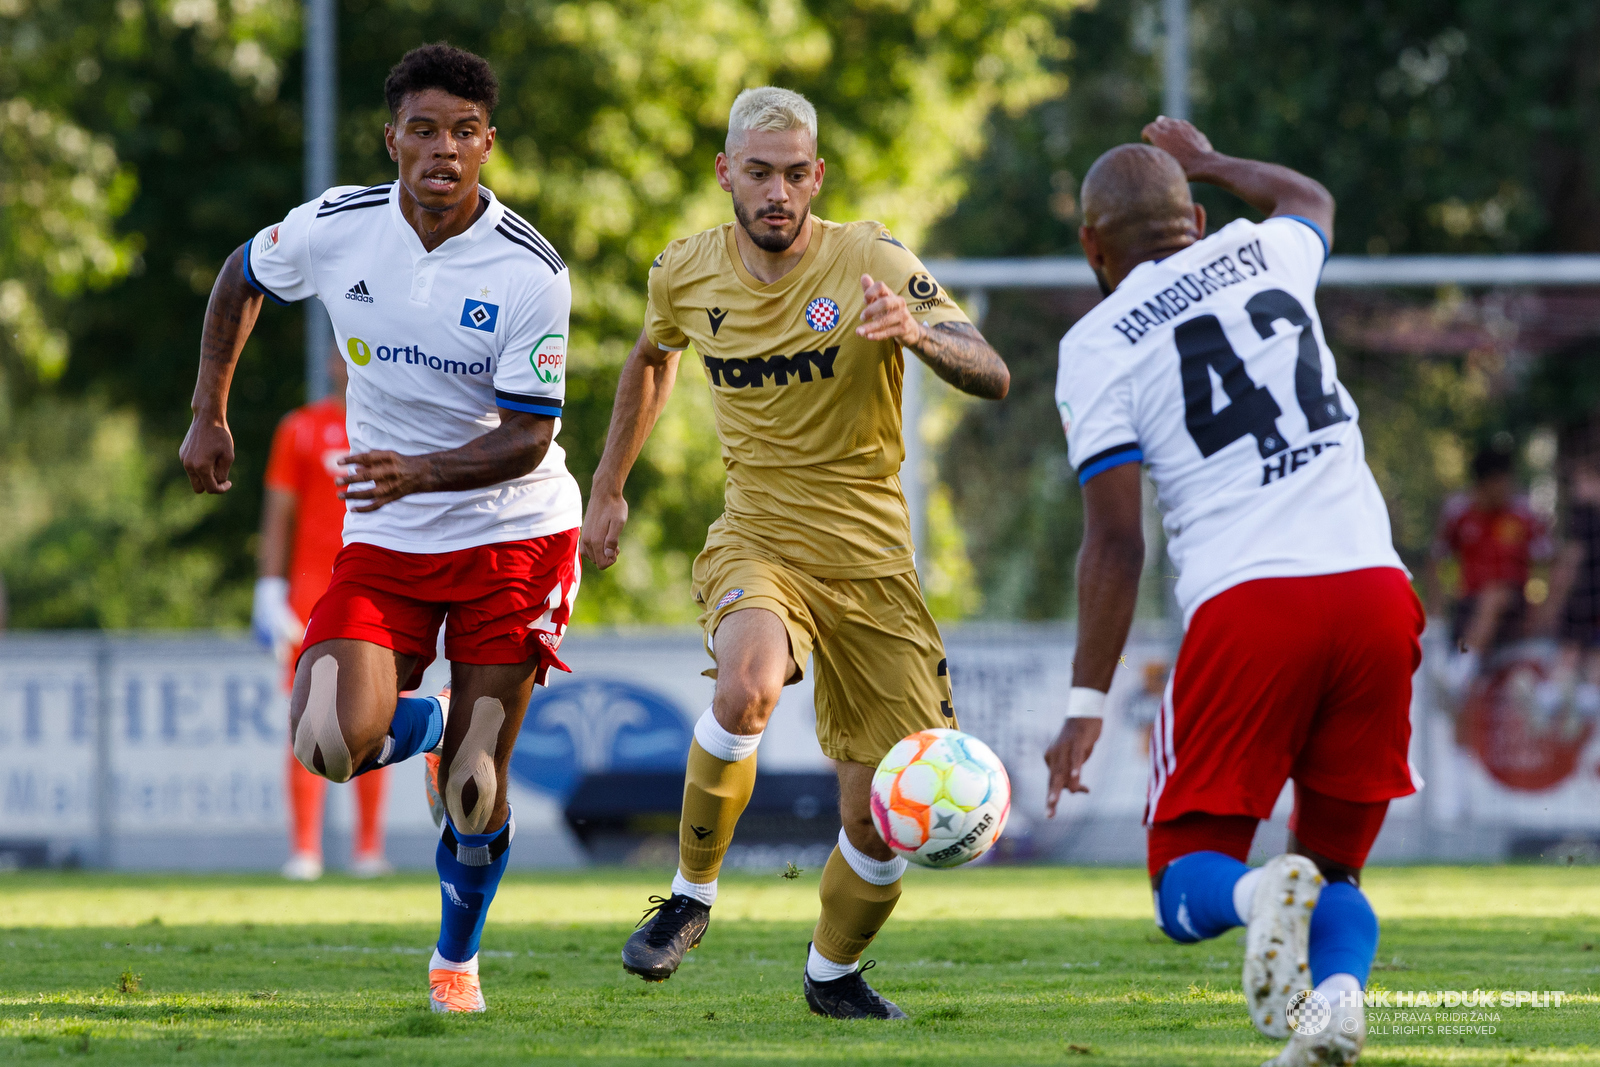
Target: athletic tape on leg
319	725
726	746
474	762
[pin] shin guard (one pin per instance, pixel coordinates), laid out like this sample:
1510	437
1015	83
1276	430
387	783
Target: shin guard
715	793
470	867
1344	934
855	902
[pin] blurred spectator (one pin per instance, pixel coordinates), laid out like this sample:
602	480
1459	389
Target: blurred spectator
1494	537
1573	609
302	525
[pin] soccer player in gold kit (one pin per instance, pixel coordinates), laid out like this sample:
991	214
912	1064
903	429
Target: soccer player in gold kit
801	326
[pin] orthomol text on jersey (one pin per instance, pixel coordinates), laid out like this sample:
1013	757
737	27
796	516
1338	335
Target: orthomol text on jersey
362	354
740	373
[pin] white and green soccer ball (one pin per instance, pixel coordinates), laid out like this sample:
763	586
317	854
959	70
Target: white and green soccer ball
940	798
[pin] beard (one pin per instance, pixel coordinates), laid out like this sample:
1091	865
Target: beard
771	240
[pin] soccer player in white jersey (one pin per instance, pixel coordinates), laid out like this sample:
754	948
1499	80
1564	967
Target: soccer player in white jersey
1206	363
452	314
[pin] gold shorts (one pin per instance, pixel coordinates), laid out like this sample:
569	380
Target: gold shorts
880	665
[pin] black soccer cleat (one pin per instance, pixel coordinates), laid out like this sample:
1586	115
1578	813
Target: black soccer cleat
850	997
666	933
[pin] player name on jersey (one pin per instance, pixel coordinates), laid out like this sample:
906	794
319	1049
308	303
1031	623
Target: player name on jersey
1191	288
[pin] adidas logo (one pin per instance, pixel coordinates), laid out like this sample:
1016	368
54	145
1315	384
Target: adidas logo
358	291
450	890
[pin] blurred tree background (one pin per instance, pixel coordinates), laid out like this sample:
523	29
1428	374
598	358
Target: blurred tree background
142	140
1464	127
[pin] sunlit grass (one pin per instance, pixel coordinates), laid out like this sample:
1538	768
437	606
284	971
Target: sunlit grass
995	965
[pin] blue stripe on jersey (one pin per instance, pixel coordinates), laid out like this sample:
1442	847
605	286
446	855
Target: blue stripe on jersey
250	276
546	408
1327	250
1115	456
538	405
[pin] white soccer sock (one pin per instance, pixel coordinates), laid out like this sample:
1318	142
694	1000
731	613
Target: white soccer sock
877	872
439	963
822	969
1336	985
704	892
720	743
1244	893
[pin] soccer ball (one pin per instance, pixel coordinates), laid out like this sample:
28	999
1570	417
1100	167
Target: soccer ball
940	798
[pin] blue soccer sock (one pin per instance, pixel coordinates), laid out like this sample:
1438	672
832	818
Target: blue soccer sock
470	868
1344	934
1195	901
417	726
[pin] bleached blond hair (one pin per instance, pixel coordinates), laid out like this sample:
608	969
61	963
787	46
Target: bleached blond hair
770	108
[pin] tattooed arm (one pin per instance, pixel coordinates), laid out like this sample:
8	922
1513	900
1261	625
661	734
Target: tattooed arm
955	351
207	451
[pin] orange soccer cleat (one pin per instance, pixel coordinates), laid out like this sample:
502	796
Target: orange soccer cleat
454	991
430	776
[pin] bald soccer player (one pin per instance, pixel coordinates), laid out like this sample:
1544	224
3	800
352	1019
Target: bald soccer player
803	328
1206	364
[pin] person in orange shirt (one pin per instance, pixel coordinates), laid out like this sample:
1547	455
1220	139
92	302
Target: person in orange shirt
302	524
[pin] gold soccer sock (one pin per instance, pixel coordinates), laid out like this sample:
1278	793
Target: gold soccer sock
715	792
858	895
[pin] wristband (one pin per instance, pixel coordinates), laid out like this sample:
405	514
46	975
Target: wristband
1084	703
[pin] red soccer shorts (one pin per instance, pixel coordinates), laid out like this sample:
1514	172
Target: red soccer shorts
501	603
1278	678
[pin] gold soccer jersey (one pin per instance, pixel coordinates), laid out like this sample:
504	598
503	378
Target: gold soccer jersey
808	413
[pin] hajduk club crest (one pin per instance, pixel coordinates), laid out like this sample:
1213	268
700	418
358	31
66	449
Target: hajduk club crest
822	314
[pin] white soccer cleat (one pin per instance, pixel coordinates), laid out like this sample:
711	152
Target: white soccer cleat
371	866
1324	1033
303	867
1276	964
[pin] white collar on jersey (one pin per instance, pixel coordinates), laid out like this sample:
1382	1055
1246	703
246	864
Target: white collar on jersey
486	223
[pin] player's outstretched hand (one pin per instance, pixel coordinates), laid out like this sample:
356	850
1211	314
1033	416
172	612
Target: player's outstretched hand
207	455
383	477
1180	139
886	317
1066	757
602	529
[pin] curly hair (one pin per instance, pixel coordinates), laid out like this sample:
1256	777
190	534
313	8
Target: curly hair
442	66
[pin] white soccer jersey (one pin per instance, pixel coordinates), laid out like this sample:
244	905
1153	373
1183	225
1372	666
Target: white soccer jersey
434	342
1210	367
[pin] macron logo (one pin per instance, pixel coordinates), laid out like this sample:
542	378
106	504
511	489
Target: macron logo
358	291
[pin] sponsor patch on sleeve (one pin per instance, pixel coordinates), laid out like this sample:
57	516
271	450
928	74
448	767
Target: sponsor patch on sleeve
728	598
267	241
549	358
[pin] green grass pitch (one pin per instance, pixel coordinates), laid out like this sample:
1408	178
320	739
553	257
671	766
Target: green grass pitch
995	965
